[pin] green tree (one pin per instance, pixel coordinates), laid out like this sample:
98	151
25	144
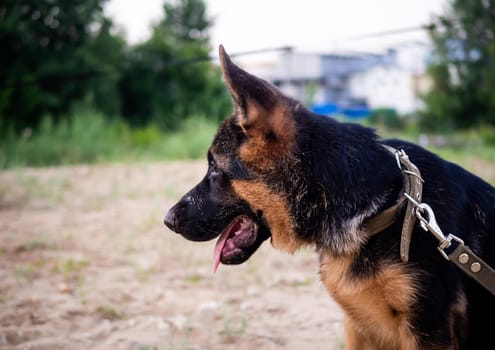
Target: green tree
54	53
104	54
462	66
170	76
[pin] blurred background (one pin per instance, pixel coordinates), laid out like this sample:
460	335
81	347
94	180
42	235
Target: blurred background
107	109
115	79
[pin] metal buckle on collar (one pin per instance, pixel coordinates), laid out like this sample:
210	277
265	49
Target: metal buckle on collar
412	187
402	155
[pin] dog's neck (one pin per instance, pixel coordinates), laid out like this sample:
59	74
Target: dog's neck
355	179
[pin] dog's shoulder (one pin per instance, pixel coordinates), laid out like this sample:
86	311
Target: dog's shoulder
464	203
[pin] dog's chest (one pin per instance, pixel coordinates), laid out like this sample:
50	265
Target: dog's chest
377	306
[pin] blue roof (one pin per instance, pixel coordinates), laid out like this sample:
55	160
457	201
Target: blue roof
332	108
325	109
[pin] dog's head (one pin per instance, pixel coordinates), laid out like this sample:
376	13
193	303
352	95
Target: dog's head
277	170
242	198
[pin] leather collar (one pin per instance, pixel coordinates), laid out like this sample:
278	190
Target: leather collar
413	186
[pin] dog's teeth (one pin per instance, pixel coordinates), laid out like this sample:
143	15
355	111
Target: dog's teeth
245	224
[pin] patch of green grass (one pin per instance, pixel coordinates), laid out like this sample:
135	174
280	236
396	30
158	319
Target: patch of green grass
183	344
4	296
194	278
303	283
70	268
149	220
81	295
340	344
233	327
463	154
452	145
89	137
50	190
24	272
4	191
110	312
39	242
192	141
144	274
85	137
170	191
473	149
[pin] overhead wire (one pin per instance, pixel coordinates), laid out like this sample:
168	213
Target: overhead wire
92	74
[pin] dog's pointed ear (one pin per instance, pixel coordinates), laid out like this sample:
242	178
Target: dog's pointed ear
245	87
262	110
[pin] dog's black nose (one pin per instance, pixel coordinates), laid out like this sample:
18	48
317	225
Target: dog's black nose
170	220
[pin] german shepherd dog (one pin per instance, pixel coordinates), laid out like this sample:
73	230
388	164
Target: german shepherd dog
278	171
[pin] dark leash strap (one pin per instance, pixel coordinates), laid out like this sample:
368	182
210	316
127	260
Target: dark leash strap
465	259
451	247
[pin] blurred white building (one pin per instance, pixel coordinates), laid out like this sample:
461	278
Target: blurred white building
395	84
391	80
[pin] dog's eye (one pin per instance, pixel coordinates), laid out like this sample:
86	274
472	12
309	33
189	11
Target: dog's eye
212	164
218	171
218	174
214	168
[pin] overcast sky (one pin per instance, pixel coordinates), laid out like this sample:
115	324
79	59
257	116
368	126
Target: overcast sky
309	25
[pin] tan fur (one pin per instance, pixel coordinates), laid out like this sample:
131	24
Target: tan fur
275	211
271	135
222	160
353	339
378	308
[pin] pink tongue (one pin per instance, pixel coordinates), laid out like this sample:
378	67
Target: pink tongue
221	243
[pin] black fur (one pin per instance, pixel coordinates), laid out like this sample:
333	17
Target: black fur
336	176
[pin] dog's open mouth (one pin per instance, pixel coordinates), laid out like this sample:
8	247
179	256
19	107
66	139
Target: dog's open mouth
236	243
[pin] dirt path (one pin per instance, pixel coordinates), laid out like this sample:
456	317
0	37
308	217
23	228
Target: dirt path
86	263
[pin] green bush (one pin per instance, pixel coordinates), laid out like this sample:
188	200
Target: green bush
84	137
146	136
88	137
487	135
386	117
192	140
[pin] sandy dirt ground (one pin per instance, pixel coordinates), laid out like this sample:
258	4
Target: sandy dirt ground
86	263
